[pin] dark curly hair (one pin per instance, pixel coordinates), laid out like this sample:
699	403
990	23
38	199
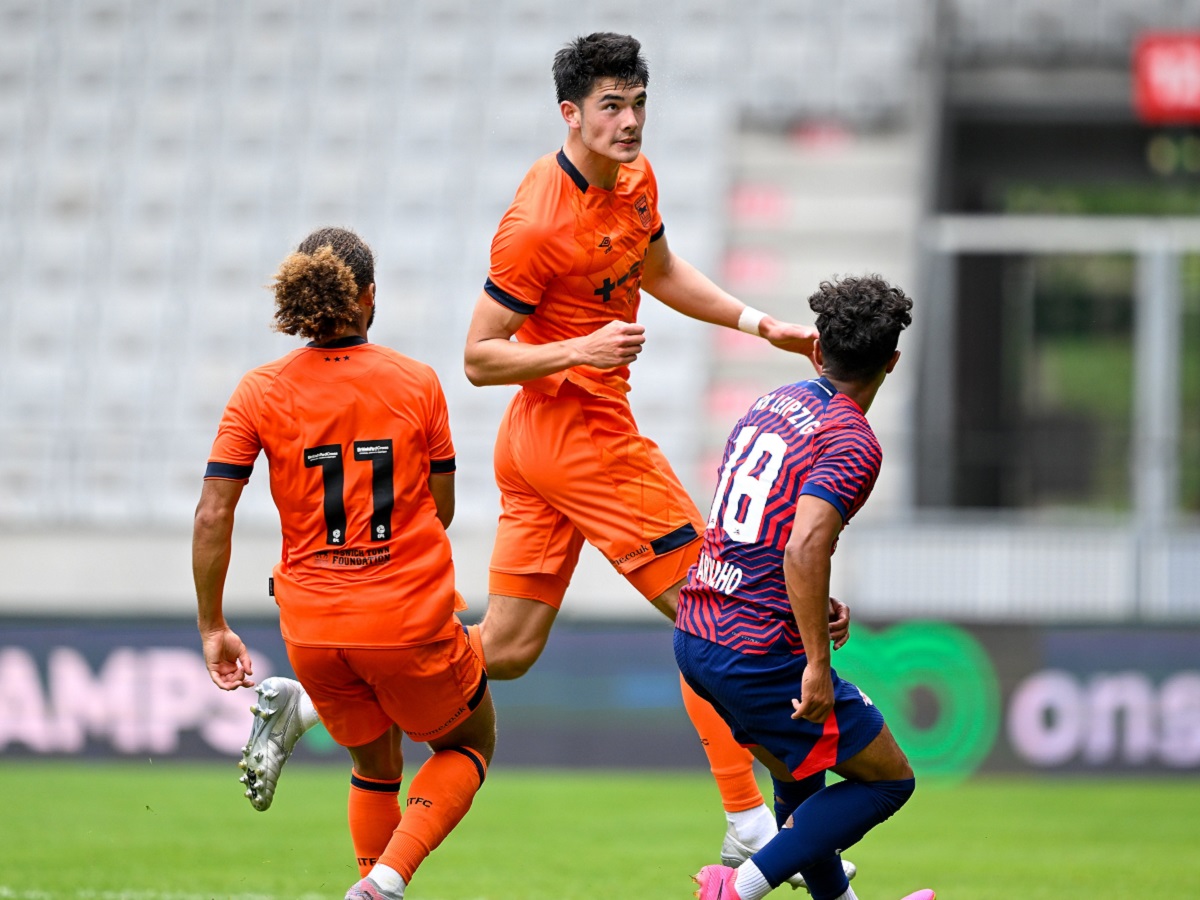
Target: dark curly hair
599	55
859	320
317	287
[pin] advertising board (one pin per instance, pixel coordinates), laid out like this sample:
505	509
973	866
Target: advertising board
961	699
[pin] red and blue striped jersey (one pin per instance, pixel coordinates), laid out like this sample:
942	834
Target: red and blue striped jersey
804	438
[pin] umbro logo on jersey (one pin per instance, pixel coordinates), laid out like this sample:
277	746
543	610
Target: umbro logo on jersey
606	244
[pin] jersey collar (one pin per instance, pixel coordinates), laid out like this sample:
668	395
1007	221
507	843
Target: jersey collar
826	385
352	340
575	175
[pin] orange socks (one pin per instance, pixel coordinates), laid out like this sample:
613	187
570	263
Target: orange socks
440	795
732	765
374	813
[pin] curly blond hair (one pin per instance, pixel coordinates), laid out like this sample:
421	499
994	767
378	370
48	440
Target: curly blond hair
317	287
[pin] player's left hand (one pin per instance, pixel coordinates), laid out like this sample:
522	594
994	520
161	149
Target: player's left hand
839	622
792	338
227	659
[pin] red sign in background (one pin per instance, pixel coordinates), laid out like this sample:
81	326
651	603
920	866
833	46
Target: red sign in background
1166	78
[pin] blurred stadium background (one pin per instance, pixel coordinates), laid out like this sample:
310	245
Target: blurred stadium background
1027	575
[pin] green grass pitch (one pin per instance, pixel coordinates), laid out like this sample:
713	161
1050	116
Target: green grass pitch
166	831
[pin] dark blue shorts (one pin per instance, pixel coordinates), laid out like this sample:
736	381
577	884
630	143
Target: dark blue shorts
754	695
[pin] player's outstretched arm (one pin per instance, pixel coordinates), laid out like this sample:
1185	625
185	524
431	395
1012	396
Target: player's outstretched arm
681	286
492	357
225	655
806	569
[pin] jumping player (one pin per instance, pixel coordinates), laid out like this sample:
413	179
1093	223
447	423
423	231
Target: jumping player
362	472
582	238
752	633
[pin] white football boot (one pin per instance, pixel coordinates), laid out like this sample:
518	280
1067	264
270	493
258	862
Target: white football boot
367	889
734	852
278	724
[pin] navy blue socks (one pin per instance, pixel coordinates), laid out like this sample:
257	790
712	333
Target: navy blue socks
790	794
825	822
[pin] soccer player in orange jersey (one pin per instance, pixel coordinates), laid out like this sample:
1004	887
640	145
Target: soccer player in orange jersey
581	240
362	471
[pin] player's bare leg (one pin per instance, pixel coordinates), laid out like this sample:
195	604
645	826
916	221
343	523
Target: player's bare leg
382	759
513	633
880	760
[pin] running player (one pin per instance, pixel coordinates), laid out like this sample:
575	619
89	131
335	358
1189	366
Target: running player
752	633
362	472
581	240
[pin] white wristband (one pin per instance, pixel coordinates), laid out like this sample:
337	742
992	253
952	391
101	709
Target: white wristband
750	319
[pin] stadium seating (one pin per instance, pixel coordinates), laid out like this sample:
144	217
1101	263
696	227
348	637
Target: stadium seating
1096	31
158	159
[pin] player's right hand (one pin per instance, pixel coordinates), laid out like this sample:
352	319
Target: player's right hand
227	659
816	695
616	344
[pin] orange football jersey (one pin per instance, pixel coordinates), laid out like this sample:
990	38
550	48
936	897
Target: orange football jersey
351	432
569	255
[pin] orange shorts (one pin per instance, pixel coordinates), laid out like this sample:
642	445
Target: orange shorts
358	693
571	468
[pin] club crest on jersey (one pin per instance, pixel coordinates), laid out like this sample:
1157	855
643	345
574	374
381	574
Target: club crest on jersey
642	205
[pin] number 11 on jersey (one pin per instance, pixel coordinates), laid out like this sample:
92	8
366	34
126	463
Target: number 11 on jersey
333	478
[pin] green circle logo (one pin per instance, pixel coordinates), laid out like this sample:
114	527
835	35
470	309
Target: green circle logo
936	687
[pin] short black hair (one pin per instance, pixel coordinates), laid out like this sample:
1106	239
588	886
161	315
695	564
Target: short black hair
602	54
859	320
